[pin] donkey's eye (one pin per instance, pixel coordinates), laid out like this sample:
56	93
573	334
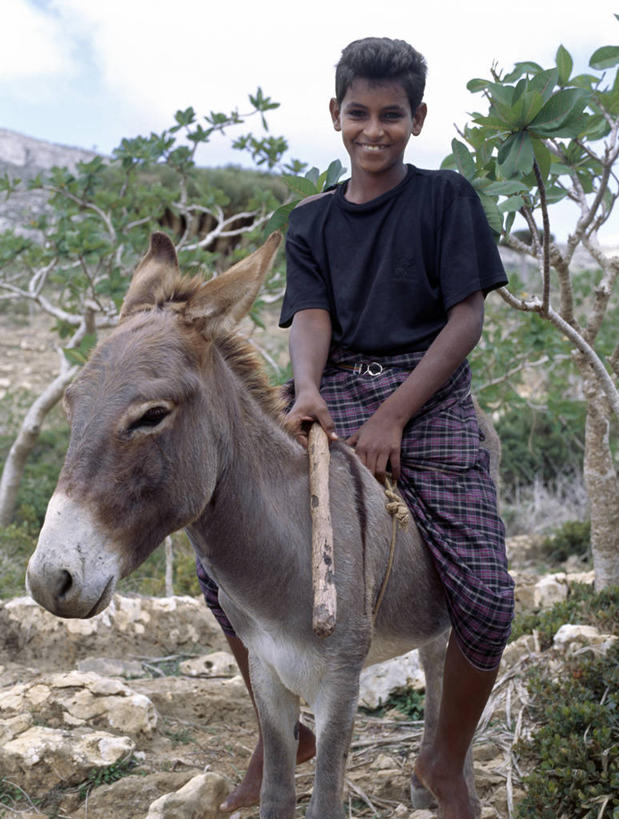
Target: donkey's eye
151	418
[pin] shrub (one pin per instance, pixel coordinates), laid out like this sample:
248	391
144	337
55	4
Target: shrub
572	538
573	755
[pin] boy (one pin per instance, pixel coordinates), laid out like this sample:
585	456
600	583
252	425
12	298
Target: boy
386	282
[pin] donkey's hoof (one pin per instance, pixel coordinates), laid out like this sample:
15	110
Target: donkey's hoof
421	797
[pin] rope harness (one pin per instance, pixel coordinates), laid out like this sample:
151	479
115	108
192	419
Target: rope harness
399	516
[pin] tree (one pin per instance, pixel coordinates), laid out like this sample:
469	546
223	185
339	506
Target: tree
549	136
74	262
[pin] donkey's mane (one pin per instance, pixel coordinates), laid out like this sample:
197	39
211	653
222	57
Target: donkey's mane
247	365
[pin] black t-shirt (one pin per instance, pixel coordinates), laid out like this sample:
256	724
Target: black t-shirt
389	270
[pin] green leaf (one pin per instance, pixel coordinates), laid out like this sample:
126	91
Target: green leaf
544	82
313	175
564	64
477	85
279	219
520	69
464	160
511	205
334	172
557	110
493	215
604	57
300	184
516	155
505	188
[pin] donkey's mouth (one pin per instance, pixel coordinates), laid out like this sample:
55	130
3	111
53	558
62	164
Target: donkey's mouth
103	601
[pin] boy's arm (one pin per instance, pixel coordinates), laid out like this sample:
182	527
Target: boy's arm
310	340
378	441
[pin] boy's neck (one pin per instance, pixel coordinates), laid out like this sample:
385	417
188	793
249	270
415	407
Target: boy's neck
363	186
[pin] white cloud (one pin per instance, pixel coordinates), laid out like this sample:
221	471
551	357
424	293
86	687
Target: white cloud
32	43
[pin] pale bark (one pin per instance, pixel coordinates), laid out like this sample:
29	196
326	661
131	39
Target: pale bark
25	441
169	567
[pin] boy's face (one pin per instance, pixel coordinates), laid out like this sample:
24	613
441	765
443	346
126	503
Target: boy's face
376	122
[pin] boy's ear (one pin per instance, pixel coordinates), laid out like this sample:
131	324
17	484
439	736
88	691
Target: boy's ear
334	108
419	118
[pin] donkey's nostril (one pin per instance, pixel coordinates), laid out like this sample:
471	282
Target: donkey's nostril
65	581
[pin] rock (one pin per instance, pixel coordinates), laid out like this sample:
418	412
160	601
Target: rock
198	799
522	647
379	681
422	814
112	667
79	698
549	590
45	757
571	639
581	577
383	763
140	626
217	664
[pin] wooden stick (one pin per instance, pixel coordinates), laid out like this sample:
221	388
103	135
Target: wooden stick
323	567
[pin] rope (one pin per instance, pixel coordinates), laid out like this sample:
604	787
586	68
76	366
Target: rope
399	515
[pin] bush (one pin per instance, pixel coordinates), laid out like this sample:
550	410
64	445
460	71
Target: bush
572	538
573	756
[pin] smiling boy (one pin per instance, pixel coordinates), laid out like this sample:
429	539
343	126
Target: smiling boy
386	279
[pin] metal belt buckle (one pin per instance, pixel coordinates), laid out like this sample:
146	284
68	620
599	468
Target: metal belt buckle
373	368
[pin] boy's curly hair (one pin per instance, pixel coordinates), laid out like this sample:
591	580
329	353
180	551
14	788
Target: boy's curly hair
381	59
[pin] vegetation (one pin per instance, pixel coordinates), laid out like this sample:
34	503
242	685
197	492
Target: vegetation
571	760
549	135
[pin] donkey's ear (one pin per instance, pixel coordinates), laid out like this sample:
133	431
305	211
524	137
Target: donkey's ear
222	302
154	277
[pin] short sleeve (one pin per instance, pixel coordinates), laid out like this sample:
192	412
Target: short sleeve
469	259
306	285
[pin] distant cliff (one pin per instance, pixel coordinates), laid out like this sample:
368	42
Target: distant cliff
24	157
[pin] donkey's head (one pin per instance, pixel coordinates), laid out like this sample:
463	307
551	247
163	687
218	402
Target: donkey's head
137	467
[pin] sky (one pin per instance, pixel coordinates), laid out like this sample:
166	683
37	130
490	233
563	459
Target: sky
88	73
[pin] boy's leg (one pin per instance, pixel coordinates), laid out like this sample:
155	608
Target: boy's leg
440	766
247	793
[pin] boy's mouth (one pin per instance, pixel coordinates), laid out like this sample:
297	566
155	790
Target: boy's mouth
366	146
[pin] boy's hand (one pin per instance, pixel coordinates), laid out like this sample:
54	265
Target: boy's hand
377	443
307	408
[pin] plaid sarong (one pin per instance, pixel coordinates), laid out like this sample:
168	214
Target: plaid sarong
445	482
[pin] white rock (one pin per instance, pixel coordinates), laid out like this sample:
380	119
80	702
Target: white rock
198	799
217	664
522	647
571	638
380	680
581	577
549	590
45	756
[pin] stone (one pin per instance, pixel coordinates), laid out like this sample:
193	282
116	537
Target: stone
139	626
549	590
44	757
217	664
112	667
198	799
587	578
574	638
81	698
383	762
381	680
522	647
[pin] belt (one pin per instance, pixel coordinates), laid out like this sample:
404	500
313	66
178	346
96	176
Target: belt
372	368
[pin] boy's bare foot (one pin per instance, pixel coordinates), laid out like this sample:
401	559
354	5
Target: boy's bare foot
448	788
247	793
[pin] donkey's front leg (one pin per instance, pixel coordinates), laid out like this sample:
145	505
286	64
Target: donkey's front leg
334	712
278	710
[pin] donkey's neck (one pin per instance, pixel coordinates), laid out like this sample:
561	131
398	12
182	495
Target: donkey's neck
253	516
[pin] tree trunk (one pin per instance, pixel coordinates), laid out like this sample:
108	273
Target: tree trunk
25	441
602	488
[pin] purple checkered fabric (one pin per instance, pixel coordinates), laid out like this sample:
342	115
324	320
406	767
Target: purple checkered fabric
446	484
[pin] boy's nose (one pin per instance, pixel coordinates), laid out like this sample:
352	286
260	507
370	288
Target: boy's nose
373	128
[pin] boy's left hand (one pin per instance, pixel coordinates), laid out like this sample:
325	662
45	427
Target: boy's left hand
377	443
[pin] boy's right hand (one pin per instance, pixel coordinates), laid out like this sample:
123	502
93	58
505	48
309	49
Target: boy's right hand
307	408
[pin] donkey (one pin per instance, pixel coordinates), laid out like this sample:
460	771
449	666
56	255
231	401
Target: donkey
174	424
